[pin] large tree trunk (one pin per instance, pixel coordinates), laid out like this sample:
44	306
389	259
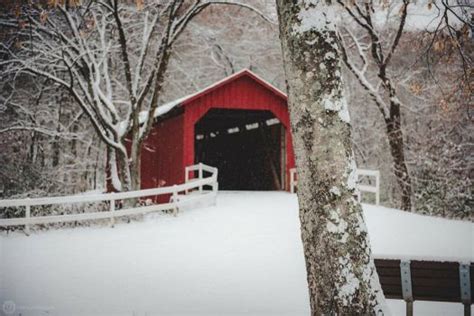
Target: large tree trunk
340	270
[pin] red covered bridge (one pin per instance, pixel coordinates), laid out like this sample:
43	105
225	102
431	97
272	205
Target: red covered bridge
239	125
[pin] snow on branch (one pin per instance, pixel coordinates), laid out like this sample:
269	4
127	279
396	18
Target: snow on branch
110	56
39	129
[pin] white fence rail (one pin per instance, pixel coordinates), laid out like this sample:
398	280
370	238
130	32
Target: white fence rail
174	204
375	189
201	168
360	187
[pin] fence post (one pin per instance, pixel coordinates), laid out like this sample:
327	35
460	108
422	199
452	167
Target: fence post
175	200
215	186
292	190
377	186
112	209
186	178
357	191
292	180
28	216
200	176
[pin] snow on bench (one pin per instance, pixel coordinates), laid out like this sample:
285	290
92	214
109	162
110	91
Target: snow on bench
421	257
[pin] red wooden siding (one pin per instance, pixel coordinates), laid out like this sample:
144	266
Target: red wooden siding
243	93
170	146
162	155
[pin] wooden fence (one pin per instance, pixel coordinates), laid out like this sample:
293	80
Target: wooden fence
176	192
375	188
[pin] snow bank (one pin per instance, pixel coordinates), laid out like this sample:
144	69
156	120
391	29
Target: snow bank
402	235
243	256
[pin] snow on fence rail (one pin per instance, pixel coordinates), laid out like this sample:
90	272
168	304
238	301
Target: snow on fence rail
360	187
174	203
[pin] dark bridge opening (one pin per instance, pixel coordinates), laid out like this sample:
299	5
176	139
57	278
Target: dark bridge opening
246	147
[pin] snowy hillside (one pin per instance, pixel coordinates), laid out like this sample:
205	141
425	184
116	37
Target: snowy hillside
243	256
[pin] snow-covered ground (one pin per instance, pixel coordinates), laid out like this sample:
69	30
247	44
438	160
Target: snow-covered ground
243	256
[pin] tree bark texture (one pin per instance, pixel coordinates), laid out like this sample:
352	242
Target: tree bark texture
397	150
341	274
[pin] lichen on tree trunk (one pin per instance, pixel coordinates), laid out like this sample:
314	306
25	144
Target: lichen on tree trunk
340	270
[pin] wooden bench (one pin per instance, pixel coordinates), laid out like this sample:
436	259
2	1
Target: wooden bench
428	281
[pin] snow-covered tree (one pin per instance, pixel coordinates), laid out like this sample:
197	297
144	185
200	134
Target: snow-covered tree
383	92
341	273
111	57
382	26
46	146
388	48
222	41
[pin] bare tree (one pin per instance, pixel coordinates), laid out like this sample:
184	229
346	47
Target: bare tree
383	92
224	40
111	57
340	269
46	149
369	41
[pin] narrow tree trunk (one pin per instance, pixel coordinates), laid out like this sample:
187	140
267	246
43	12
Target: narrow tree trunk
123	171
396	144
56	149
75	129
133	182
33	152
135	171
340	270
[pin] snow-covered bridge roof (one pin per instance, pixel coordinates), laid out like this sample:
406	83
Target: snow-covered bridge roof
167	107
